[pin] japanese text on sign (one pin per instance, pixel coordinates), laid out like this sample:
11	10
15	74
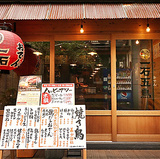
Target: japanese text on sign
145	79
36	127
58	94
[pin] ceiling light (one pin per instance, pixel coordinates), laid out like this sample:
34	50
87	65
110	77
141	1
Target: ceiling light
97	68
37	53
73	64
81	30
137	42
99	64
148	28
92	53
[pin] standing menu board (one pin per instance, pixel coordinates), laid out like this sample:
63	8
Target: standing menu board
29	89
46	127
60	93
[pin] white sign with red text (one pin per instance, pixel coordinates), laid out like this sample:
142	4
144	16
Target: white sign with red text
58	93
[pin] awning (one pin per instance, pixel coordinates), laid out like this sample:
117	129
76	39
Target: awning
78	11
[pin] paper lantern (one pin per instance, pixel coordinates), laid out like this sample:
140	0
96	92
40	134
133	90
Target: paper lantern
31	63
11	50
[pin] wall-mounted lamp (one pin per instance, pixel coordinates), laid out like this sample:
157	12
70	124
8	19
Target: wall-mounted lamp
81	30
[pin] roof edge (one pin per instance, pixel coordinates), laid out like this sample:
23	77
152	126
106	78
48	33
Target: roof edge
76	2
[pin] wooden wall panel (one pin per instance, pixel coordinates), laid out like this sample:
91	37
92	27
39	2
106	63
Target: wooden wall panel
90	26
138	125
98	124
138	137
99	137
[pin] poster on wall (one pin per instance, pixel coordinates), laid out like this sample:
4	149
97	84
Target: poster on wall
29	89
58	93
46	127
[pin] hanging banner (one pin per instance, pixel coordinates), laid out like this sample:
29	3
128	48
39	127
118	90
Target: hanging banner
60	93
47	127
29	89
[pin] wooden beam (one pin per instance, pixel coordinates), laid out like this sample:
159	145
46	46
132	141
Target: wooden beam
98	112
1	154
84	153
52	61
113	89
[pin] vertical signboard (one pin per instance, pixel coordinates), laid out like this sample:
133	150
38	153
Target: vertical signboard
29	89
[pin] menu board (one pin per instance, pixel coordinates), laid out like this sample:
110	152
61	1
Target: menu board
29	89
45	127
60	93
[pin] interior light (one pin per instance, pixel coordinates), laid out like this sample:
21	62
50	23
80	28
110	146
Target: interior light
92	53
73	64
137	42
37	53
97	68
81	30
99	64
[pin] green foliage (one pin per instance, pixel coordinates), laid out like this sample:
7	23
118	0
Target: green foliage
43	47
74	52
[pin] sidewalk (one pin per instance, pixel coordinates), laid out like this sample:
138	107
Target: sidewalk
110	150
104	154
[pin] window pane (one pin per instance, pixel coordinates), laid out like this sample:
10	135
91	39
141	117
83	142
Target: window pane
85	63
135	88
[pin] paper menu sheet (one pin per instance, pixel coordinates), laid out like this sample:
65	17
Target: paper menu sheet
46	127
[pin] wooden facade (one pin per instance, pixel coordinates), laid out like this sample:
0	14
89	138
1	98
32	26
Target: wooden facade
109	125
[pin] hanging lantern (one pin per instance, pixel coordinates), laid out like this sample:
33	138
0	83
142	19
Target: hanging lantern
11	50
31	63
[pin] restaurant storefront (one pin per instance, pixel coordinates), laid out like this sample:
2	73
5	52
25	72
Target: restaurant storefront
116	77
